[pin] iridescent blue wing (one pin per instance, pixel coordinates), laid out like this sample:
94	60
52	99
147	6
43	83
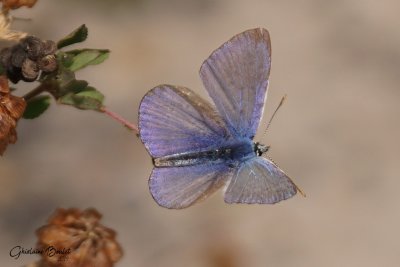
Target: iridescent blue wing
180	187
259	180
236	77
174	120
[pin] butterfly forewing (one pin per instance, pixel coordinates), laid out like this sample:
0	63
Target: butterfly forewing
175	120
259	180
236	78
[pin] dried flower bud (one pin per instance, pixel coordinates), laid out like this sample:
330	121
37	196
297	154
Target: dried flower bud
14	4
5	57
30	70
14	74
49	47
33	46
48	63
18	56
89	243
11	109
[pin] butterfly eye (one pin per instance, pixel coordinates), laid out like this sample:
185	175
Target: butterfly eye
260	149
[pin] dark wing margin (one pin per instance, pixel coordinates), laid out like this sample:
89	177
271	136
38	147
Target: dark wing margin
174	120
236	77
259	180
181	187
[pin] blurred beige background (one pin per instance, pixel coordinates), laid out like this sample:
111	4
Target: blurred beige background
337	135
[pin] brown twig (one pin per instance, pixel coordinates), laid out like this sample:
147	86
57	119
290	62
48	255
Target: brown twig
118	118
37	91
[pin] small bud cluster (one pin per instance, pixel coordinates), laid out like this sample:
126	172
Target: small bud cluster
25	60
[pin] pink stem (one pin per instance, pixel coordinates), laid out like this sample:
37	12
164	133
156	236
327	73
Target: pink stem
118	118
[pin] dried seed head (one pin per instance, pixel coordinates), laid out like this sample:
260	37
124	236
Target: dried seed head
89	242
49	47
48	63
18	56
25	59
33	46
11	109
30	70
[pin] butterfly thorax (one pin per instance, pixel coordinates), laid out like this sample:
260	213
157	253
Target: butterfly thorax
231	154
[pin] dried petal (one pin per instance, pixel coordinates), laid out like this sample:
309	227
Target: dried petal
5	56
30	70
18	55
90	243
15	106
47	63
4	88
33	46
5	23
49	47
14	4
11	109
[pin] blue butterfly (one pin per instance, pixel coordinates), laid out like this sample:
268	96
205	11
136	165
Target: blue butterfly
198	148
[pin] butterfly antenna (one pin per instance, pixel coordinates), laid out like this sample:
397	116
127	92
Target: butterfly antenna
273	114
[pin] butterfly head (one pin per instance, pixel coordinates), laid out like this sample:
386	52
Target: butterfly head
260	149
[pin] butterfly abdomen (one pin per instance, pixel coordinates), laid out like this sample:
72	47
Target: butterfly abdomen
229	154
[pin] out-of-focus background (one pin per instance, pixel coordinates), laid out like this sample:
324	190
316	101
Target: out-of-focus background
337	135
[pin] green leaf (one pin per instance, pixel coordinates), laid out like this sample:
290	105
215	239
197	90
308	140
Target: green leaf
78	59
36	106
89	98
77	36
74	86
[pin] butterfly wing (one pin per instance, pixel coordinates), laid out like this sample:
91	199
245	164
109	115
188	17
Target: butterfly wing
259	180
236	77
175	120
180	187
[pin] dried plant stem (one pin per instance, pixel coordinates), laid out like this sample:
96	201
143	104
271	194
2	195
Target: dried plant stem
118	118
37	91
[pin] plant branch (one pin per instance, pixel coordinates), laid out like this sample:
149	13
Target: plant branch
37	91
117	117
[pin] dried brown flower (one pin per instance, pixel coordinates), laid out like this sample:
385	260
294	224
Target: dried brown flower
11	109
89	243
14	4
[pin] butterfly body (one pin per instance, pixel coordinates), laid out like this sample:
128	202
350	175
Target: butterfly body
231	154
198	147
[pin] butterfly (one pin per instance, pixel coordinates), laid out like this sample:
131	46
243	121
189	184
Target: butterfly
198	147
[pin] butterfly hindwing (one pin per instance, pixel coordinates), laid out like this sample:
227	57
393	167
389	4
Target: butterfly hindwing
180	187
259	180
